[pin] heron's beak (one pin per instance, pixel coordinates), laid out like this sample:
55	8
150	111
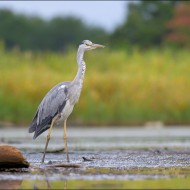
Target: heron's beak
94	46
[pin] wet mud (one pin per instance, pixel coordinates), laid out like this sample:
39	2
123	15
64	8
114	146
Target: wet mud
108	157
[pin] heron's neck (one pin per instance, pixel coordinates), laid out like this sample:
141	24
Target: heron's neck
81	68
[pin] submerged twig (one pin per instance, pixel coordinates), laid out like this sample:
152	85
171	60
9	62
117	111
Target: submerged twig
66	165
55	150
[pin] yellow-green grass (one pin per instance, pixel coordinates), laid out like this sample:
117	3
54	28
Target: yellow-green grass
156	178
120	87
171	183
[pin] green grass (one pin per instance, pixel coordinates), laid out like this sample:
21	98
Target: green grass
173	183
167	178
120	87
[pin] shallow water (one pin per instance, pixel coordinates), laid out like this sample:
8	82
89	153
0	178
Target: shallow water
120	158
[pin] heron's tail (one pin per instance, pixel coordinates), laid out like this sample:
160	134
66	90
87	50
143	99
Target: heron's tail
38	129
33	125
32	128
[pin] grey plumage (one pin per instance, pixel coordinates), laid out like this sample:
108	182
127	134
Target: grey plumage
58	103
51	105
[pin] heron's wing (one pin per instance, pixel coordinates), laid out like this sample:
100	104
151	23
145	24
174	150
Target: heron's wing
51	105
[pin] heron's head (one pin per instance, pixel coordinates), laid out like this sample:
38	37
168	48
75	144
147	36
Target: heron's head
88	45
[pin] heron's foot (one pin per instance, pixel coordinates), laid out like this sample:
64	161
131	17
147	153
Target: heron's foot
42	162
68	160
43	158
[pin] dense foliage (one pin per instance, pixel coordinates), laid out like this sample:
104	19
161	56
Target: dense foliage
33	33
147	24
119	87
179	26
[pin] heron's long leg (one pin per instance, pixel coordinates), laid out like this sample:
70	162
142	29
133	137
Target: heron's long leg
65	139
48	137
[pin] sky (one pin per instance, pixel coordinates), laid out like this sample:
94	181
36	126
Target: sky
106	14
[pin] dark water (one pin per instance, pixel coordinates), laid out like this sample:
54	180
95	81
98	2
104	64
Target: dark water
118	158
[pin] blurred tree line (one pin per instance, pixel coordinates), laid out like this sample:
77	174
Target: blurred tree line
147	24
35	33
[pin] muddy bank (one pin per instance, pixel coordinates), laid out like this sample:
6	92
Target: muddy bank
111	164
116	155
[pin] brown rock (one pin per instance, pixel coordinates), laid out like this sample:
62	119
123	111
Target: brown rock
10	184
11	157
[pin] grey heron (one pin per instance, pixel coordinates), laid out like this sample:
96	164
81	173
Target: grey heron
58	103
